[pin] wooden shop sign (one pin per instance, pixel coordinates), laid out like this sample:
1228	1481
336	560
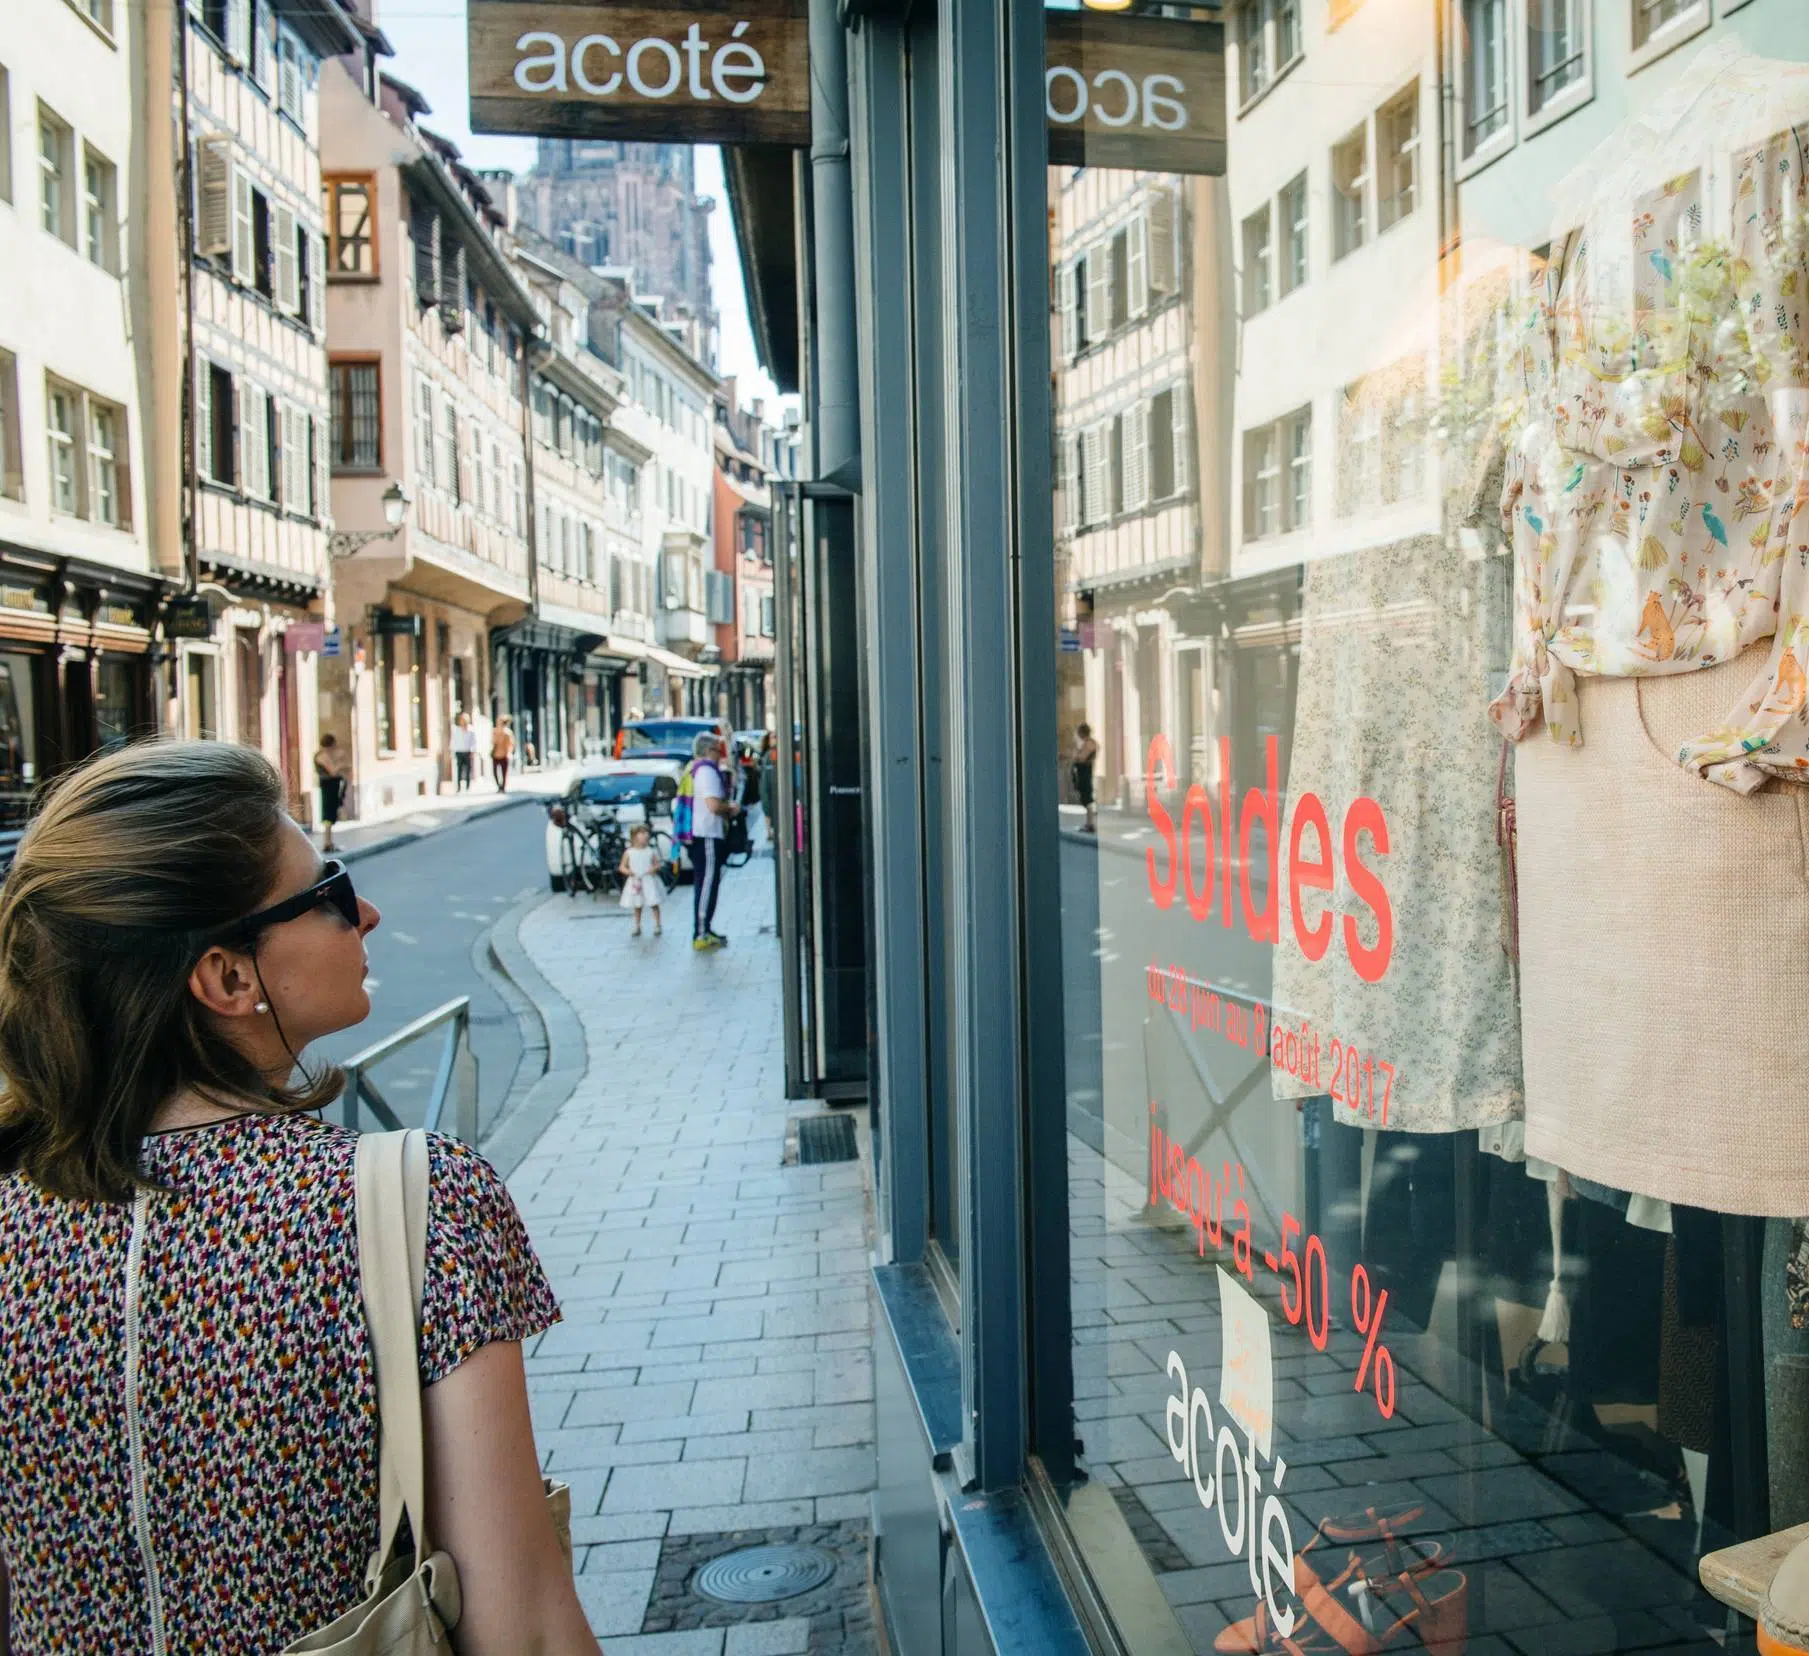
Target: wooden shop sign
706	73
1120	91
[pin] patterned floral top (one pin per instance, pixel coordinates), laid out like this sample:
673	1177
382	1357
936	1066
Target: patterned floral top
255	1396
1657	487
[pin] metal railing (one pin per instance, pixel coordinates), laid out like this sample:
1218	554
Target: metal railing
455	1079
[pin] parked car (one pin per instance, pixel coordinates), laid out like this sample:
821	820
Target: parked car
663	738
640	789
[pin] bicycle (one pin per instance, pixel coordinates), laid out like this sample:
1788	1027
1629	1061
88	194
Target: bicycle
588	853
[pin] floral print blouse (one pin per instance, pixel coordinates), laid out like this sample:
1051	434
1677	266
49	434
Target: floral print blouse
1657	482
255	1400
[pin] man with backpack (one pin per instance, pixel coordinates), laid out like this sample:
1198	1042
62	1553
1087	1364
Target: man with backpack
701	816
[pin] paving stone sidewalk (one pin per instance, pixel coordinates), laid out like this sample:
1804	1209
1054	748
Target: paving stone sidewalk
712	1374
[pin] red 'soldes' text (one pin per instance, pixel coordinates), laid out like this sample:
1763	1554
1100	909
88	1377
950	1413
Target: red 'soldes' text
1196	859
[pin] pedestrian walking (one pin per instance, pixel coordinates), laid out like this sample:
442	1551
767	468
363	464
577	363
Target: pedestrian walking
464	752
711	811
642	887
502	749
1081	763
769	781
329	773
188	1429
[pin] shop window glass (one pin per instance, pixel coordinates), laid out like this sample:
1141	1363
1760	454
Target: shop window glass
18	739
116	717
384	647
1431	689
200	702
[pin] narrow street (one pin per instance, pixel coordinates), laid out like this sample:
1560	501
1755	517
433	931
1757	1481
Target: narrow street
440	895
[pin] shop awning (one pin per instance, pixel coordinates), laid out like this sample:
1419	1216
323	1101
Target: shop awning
620	649
677	665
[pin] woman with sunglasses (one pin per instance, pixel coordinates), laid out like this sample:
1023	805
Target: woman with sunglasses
188	1454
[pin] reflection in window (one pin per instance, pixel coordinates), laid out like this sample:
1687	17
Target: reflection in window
1256	261
1381	440
1650	16
1398	156
1350	192
1293	210
1485	47
1555	40
1278	476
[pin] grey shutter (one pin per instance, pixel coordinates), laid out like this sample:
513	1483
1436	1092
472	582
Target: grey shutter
316	249
204	418
1163	277
244	248
424	225
1137	265
285	276
452	283
1099	293
213	195
1136	451
1070	320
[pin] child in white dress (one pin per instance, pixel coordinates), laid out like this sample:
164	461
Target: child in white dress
641	883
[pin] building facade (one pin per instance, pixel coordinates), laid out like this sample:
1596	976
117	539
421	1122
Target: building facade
740	585
668	412
78	582
251	474
581	656
433	333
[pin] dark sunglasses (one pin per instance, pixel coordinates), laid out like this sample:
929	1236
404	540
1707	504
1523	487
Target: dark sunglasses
335	891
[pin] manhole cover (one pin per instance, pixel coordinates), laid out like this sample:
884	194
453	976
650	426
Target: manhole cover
826	1138
764	1575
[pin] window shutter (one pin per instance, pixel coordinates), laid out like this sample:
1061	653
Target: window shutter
317	472
1099	293
244	252
424	225
213	170
1070	319
315	248
289	81
1136	457
238	30
1181	436
452	285
1160	235
1098	450
204	419
287	277
245	404
1137	265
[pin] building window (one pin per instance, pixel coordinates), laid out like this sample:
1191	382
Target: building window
56	167
1168	436
385	649
351	238
100	14
1257	289
1381	447
1350	192
1556	46
106	426
449	454
216	423
1278	476
719	602
1398	157
62	431
12	470
6	135
1485	72
1268	42
1652	17
424	429
100	211
357	426
1293	210
417	690
768	617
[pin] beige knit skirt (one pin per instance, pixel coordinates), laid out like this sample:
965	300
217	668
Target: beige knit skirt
1664	948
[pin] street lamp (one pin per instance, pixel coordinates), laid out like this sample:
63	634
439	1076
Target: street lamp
395	511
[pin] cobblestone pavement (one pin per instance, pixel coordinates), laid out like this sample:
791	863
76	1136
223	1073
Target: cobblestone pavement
712	1374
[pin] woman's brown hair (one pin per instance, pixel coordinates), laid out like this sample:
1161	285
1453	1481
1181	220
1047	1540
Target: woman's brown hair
133	865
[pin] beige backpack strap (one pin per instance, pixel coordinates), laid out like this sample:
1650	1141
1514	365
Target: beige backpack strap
390	1171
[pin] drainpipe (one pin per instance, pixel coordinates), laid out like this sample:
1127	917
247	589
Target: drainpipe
837	412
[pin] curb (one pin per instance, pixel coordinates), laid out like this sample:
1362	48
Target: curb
534	1099
408	836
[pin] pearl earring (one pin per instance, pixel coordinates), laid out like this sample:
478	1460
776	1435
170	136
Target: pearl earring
262	1006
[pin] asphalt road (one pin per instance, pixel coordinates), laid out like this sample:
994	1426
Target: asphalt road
439	895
